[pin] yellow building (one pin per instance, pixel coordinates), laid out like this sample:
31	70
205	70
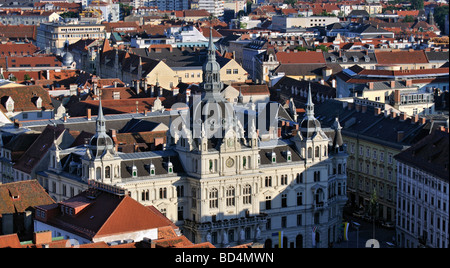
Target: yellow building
54	35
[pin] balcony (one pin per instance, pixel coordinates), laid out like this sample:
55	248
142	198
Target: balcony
260	219
319	206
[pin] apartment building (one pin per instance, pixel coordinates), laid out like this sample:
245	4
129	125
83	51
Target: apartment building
422	193
54	35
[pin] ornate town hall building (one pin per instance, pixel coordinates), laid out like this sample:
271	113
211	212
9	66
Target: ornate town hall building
222	179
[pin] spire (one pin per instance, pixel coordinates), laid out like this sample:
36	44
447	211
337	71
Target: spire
211	47
100	118
309	104
337	141
211	71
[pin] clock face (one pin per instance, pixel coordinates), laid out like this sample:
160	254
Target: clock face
230	162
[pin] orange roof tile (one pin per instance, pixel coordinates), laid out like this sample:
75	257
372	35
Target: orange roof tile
9	241
401	57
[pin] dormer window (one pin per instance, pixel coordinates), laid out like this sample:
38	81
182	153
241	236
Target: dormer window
152	170
288	156
333	59
355	59
344	58
134	171
169	167
274	158
9	104
367	58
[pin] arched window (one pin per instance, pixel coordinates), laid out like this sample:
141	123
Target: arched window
317	151
98	174
163	193
107	172
213	198
299	198
247	194
309	152
339	169
230	194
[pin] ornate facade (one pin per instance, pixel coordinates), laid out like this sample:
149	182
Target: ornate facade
222	179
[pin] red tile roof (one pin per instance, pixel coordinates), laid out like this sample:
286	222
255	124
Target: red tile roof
36	61
13	49
16	197
25	98
9	241
19	31
107	215
401	57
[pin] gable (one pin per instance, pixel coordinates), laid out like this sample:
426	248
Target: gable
130	216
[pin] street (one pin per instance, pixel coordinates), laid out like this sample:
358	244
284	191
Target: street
358	239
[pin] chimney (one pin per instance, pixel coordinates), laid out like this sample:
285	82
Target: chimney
350	105
422	120
400	135
279	132
392	84
370	85
444	129
397	96
408	83
43	237
17	124
88	113
358	107
364	108
403	116
377	111
333	83
414	118
65	118
393	115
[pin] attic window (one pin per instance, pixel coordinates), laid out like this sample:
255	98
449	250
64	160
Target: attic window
289	156
274	158
152	169
170	167
134	171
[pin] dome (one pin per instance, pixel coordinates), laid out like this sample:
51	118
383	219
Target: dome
67	59
309	127
99	144
58	52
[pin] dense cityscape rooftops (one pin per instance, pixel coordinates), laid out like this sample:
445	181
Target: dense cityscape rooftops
214	124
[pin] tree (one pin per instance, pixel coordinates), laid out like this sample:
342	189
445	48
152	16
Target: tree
322	47
408	18
69	14
417	4
439	16
290	2
26	77
300	48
